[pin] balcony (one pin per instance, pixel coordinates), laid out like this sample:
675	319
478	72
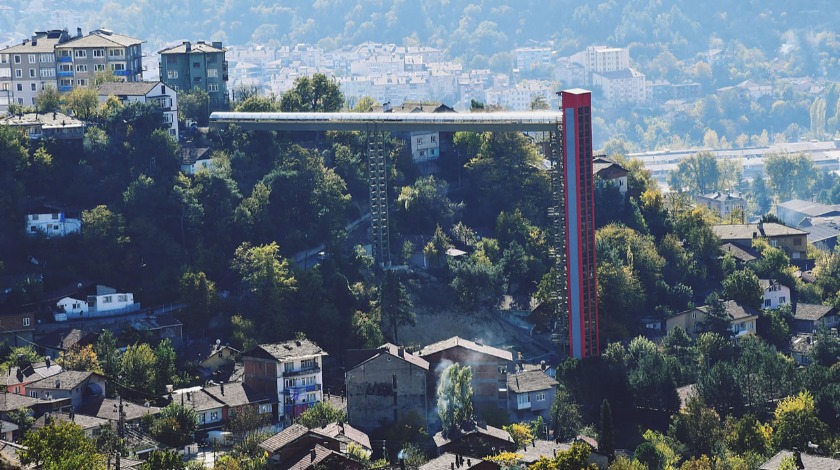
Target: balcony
295	373
122	73
64	74
65	59
302	389
63	89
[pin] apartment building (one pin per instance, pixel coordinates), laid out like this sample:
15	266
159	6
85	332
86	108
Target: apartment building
145	92
188	66
290	373
28	68
600	59
80	59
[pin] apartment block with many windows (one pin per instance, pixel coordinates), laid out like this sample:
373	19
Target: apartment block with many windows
80	59
28	68
188	66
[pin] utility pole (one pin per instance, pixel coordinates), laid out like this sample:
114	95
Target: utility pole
120	432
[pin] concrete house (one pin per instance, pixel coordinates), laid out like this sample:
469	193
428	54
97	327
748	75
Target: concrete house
723	204
198	65
743	319
808	318
145	92
490	367
51	222
18	377
53	125
476	439
79	386
792	240
387	387
289	373
775	294
17	329
98	301
530	394
611	171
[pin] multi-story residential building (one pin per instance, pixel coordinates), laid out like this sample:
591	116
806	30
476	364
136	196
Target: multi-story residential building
600	59
608	170
145	92
808	318
621	86
290	373
743	319
28	68
520	97
489	365
188	66
531	59
81	58
723	204
387	387
51	222
530	394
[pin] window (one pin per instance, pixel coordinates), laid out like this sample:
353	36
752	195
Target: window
774	243
212	87
19	87
64	53
502	369
17	59
99	52
310	397
196	65
264	408
307	364
80	53
47	73
119	66
65	68
766	303
797	241
214	415
19	73
434	139
116	52
33	394
523	399
31	73
4	58
65	82
33	59
107	299
47	58
309	380
122	298
98	67
212	73
81	68
82	82
33	86
540	396
288	366
34	216
782	300
25	321
171	74
288	383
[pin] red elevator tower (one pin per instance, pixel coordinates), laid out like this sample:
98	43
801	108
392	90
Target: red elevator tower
580	223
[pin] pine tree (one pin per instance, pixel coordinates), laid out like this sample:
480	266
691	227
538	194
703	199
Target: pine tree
606	444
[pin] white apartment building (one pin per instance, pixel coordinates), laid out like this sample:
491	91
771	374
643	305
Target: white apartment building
519	98
621	86
602	59
774	294
529	59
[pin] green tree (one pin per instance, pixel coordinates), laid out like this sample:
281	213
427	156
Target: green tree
82	101
316	94
48	100
454	398
606	441
697	174
320	414
795	423
576	458
747	435
716	319
175	425
245	420
166	372
164	460
424	205
564	418
258	104
826	349
107	354
790	175
199	294
743	287
395	304
697	426
138	369
624	463
194	105
267	278
60	445
477	282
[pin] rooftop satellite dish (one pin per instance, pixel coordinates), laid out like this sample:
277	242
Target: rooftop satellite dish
218	342
79	285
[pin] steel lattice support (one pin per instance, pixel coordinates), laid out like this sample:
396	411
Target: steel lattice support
378	181
557	249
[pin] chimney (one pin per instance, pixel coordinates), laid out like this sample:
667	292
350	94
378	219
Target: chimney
222	388
469	463
401	351
312	455
187	47
47	361
78	32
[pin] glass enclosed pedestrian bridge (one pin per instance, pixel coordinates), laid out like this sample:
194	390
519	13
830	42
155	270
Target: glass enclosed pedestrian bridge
533	121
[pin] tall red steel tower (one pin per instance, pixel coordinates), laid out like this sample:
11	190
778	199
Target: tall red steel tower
579	192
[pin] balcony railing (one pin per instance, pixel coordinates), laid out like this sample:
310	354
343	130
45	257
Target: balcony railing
122	73
65	59
302	389
64	74
308	370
